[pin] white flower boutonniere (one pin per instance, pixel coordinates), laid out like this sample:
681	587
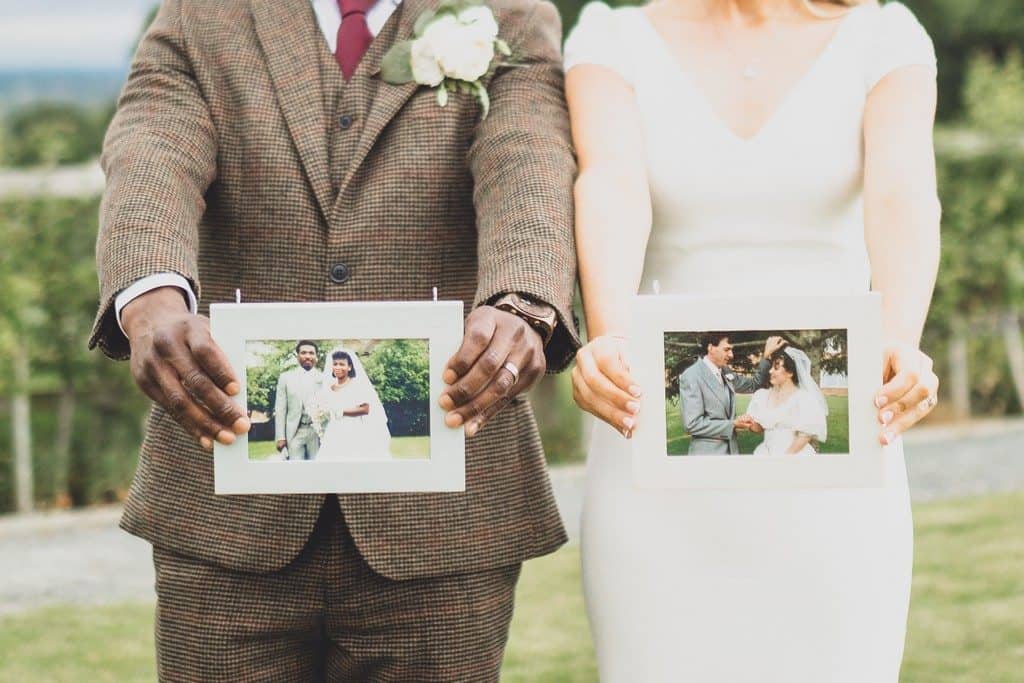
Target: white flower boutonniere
729	377
453	48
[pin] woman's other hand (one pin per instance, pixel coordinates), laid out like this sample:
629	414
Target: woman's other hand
910	390
602	384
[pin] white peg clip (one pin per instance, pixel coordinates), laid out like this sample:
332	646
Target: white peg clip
435	293
238	296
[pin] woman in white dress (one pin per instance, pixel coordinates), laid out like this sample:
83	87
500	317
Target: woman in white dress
730	146
348	413
793	413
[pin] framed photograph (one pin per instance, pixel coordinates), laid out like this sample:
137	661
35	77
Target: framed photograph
758	392
342	397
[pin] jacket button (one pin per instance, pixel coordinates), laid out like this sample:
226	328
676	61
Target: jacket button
345	121
339	273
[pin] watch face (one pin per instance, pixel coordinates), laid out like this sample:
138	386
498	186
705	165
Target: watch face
529	304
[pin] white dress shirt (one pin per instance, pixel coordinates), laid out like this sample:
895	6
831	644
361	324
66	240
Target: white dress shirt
715	370
328	16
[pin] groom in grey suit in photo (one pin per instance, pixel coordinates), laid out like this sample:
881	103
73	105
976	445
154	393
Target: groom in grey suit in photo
707	395
293	428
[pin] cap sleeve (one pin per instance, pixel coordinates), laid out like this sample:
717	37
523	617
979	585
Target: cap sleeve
595	40
809	417
898	39
756	408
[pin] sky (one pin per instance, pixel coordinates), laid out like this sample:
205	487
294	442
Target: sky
70	34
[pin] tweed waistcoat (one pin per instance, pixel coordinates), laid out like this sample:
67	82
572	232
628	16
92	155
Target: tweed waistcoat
229	148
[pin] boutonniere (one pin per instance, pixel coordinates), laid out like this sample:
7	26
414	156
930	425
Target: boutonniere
729	377
453	47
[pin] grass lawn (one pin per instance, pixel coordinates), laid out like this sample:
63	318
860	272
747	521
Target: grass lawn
402	447
966	621
838	427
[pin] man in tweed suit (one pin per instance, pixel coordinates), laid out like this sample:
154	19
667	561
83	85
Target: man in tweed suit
246	128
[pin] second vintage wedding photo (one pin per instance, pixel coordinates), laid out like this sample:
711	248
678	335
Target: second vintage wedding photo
757	392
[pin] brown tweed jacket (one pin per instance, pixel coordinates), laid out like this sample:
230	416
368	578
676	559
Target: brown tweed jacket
218	169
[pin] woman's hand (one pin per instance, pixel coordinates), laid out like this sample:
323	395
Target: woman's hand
754	425
909	393
602	384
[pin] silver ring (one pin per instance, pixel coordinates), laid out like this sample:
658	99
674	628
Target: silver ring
511	367
929	402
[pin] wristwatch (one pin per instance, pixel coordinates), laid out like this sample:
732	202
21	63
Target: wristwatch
540	316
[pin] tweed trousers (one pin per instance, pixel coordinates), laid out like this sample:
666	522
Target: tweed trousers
327	616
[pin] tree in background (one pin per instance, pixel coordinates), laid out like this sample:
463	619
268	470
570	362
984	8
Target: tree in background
49	133
994	93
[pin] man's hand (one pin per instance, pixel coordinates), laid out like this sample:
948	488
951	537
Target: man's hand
281	443
480	383
744	423
177	364
772	345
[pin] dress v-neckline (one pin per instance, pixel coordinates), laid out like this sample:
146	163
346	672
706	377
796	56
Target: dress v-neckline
782	104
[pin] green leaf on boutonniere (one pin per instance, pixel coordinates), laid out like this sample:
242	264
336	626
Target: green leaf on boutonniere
422	22
396	66
502	47
485	99
442	95
456	6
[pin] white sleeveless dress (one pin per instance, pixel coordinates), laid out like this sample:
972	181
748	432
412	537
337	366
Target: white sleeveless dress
801	586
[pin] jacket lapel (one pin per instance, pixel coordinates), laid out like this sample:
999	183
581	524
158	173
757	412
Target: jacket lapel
388	98
283	28
720	392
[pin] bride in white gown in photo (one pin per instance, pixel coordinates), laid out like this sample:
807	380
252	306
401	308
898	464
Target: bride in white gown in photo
793	413
348	412
728	147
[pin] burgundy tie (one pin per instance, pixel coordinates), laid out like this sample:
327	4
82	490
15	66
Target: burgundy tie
354	35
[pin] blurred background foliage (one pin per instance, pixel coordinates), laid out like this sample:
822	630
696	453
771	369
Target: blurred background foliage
87	416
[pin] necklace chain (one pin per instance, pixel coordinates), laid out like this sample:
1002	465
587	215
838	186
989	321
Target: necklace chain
749	69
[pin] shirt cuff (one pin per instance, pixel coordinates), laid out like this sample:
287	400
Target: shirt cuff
149	283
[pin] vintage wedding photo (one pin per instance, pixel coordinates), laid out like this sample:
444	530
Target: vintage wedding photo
338	400
757	392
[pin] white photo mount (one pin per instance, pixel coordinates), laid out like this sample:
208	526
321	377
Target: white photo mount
439	322
859	315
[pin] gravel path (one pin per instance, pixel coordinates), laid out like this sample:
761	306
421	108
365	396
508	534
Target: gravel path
82	557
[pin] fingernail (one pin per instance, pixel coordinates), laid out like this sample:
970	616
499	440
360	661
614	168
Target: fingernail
472	428
225	437
887	438
628	422
446	402
887	417
453	420
241	425
635	390
205	442
881	401
633	407
449	377
232	388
